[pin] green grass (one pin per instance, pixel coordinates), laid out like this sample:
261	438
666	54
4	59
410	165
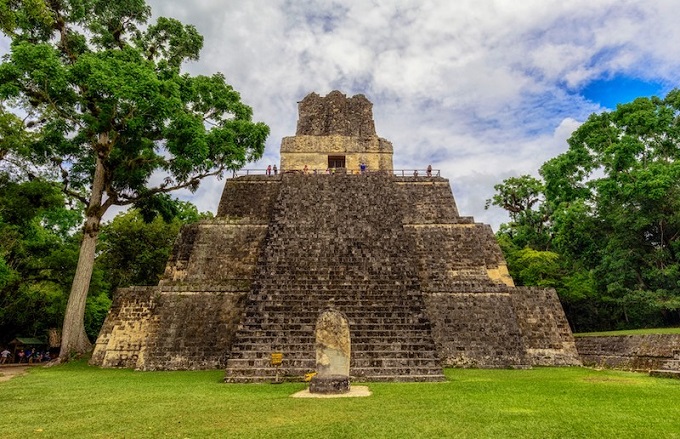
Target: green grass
630	332
76	400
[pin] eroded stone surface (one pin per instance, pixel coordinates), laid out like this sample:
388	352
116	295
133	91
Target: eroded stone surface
335	126
330	384
333	347
631	352
335	114
333	351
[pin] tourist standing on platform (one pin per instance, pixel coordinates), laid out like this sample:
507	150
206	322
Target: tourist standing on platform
429	170
276	170
269	170
362	167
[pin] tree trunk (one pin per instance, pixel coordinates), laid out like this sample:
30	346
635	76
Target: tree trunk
73	337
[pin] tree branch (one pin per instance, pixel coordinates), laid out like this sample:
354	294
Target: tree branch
123	200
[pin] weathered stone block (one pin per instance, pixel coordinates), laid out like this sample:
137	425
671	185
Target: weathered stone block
631	352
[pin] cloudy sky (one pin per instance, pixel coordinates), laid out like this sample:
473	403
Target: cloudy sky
481	89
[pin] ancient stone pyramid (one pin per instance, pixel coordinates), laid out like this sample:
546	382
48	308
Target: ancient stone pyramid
422	287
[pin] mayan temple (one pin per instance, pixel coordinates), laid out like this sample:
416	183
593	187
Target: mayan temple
421	286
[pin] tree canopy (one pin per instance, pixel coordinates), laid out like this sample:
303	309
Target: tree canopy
105	104
38	255
135	245
610	208
39	237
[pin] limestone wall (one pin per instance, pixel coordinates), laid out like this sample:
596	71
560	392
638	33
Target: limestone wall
335	114
190	319
631	352
546	335
123	337
192	329
429	201
217	251
150	328
224	250
478	318
420	285
475	329
473	321
313	151
249	197
338	241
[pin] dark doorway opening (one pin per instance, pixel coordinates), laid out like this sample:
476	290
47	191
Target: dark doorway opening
336	161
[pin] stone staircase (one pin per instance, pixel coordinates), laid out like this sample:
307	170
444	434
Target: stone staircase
336	241
670	369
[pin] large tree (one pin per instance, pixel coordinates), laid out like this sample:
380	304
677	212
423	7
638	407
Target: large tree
617	193
103	91
522	197
612	205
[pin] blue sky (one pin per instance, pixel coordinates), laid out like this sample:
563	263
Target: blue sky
608	92
481	89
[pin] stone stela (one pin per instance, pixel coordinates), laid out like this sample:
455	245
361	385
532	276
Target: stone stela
420	286
333	351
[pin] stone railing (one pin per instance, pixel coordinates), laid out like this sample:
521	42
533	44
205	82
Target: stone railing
416	173
397	172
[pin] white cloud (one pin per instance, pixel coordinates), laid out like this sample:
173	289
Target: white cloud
481	89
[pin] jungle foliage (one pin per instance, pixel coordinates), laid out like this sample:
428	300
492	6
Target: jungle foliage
602	226
39	238
105	105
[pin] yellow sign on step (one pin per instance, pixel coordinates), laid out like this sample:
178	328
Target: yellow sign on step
277	358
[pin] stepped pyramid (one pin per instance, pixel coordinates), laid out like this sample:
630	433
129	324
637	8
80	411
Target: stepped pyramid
422	287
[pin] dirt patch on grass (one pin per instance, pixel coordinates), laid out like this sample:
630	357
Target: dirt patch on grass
610	380
9	372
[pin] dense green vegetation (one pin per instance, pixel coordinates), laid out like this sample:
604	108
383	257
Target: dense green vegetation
540	403
39	238
105	106
38	249
602	226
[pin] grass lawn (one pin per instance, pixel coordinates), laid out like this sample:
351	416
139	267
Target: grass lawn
77	400
631	332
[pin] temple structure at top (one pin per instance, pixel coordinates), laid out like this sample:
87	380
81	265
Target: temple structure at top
335	132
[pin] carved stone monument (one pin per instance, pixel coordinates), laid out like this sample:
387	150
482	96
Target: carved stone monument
421	286
332	354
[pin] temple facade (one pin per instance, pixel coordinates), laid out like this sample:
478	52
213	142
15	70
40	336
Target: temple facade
335	132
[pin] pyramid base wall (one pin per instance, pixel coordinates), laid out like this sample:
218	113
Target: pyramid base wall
417	283
150	328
